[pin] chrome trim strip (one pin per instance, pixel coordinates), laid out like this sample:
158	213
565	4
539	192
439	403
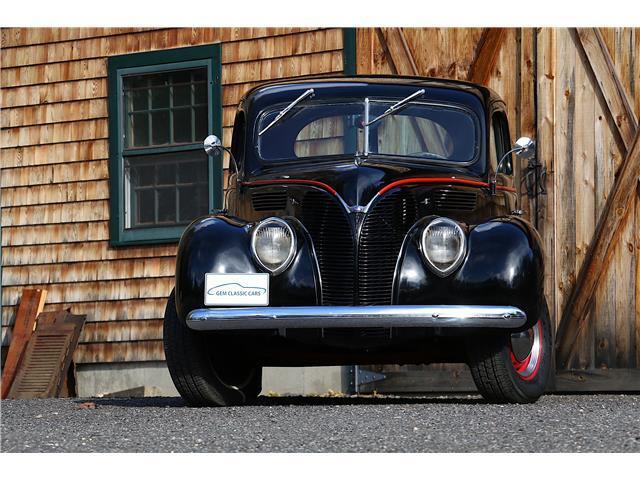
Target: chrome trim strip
387	316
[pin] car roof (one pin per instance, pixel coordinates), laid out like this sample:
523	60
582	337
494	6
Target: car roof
378	80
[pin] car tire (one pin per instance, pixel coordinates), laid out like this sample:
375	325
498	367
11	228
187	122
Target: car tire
501	377
205	373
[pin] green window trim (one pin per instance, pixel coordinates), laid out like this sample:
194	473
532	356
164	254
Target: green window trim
148	62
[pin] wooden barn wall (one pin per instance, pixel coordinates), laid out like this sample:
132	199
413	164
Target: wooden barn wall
552	96
55	193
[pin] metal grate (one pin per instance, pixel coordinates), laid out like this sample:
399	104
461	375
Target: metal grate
333	241
381	237
267	201
448	199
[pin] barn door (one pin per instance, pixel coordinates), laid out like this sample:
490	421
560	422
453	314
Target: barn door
571	90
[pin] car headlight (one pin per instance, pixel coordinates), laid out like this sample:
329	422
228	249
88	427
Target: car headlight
443	245
273	244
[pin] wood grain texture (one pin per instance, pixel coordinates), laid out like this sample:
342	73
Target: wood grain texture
487	52
609	82
545	134
608	230
31	304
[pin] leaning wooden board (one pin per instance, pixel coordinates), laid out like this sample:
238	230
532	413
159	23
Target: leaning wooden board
45	365
31	304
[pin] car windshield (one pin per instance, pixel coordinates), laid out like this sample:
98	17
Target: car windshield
421	130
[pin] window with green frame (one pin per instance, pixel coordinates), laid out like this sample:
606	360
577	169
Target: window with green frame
162	104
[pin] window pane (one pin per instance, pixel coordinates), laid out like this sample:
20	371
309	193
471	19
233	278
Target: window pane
182	125
160	127
166	173
145	175
181	95
139	130
140	99
201	127
167	189
200	93
166	205
160	97
145	203
159	94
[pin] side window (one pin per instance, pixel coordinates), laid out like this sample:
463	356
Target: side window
161	106
502	141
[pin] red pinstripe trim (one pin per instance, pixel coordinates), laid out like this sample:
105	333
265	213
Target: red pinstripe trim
432	180
386	188
313	183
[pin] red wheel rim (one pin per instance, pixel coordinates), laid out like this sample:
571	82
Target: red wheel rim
527	365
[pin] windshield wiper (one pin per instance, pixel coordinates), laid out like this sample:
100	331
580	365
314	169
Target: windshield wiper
286	110
396	107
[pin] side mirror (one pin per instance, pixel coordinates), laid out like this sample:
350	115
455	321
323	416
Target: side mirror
525	147
212	145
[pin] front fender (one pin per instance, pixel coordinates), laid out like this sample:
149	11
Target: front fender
503	266
221	244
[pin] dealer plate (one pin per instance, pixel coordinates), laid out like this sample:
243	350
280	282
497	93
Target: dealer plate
236	289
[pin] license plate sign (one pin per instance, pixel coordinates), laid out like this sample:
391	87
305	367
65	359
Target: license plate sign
236	289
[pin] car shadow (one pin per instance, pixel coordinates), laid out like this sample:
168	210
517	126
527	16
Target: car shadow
309	400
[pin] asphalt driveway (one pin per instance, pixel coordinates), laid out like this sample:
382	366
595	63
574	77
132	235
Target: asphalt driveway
585	423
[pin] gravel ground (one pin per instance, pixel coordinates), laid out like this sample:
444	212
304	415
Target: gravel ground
609	423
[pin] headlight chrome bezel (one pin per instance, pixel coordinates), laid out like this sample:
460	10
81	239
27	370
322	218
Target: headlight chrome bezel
462	252
292	249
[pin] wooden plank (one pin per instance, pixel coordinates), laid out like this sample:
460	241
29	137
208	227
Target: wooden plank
134	42
275	69
584	168
70	253
400	55
364	50
73	212
56	193
31	304
598	380
122	331
486	55
54	113
242	51
55	133
637	285
604	316
608	229
545	134
324	40
55	173
54	92
54	154
565	130
128	289
525	103
610	86
88	271
47	359
624	264
16	37
55	234
107	311
111	352
53	72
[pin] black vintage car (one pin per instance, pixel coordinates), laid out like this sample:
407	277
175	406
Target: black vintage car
370	220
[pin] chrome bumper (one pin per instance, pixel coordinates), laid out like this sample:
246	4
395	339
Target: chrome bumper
445	316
